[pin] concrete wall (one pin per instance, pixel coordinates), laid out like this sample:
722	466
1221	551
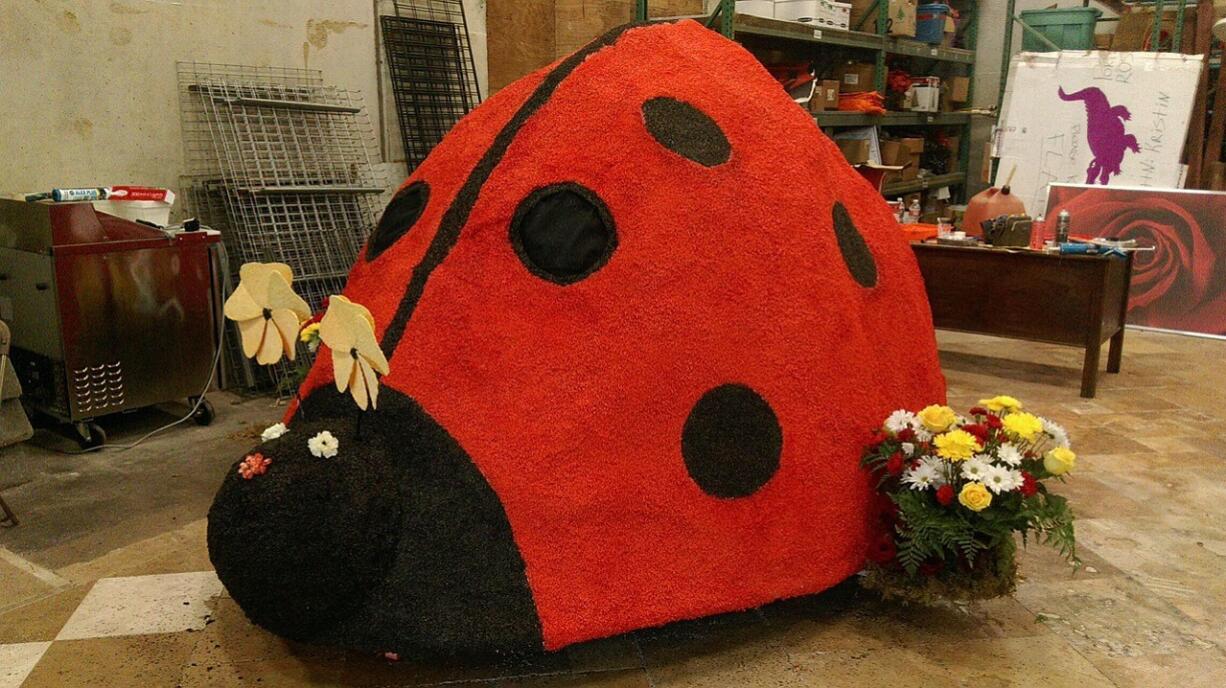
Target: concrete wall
88	94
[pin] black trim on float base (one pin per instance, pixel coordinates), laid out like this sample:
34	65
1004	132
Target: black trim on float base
457	213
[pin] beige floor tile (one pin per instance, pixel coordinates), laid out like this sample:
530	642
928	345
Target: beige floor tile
608	654
281	672
368	670
122	662
41	619
229	638
1191	669
166	603
632	678
18	586
18	660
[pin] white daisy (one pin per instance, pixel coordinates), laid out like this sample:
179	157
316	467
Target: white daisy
273	431
1056	431
976	467
1009	455
900	420
999	479
323	445
922	434
907	449
922	476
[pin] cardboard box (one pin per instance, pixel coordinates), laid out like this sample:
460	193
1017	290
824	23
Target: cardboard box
1135	31
893	152
825	96
1102	41
856	76
855	150
900	17
959	89
914	144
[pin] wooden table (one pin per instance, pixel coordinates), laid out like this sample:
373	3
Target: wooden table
1073	300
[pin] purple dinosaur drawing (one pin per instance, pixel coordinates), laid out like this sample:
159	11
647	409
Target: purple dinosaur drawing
1105	133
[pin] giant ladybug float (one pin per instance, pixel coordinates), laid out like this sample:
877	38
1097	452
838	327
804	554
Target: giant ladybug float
641	318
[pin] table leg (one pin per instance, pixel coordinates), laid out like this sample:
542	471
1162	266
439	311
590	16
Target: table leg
1089	371
1116	352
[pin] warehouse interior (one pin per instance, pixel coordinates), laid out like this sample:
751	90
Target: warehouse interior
701	297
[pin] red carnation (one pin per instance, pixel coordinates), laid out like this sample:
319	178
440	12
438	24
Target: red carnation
895	464
945	495
979	431
994	422
1029	485
877	438
883	550
979	411
906	435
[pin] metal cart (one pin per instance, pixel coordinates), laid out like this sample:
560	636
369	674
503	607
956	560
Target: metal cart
107	315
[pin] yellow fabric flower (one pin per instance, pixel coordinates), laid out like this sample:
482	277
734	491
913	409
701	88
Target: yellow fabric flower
957	445
1001	403
937	418
1059	461
349	331
308	333
975	496
267	311
1024	426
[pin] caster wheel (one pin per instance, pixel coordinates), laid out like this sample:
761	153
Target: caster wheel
204	414
90	435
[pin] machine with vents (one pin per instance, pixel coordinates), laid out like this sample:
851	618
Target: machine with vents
107	315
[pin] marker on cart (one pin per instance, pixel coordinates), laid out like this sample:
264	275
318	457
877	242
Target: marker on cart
62	195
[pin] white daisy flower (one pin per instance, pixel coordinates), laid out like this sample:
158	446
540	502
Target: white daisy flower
1009	455
922	434
922	476
900	420
999	479
976	467
273	431
323	445
1057	432
907	449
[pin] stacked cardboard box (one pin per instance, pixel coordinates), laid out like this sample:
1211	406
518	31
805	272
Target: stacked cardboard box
900	16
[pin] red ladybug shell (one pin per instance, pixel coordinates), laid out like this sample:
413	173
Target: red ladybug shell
572	399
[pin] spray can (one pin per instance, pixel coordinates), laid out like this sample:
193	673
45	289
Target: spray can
1062	223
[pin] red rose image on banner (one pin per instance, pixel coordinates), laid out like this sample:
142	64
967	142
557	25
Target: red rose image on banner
1181	284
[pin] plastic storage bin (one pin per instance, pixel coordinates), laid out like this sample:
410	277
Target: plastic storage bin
1071	29
930	22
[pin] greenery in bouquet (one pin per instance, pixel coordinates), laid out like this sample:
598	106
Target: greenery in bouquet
953	491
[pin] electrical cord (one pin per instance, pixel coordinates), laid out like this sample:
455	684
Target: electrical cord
223	261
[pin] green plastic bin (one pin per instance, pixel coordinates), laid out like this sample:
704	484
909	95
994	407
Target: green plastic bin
1071	29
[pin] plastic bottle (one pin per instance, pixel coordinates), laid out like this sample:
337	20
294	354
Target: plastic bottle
988	204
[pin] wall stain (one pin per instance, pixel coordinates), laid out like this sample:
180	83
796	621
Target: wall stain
69	23
83	127
121	36
275	24
317	31
120	8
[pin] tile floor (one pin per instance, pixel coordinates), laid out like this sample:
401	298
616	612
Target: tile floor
112	587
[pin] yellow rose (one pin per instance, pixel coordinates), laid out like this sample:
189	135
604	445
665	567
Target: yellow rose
1000	403
957	445
1022	425
1059	461
937	418
308	333
975	496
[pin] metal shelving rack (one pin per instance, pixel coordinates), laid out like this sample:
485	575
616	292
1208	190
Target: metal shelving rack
727	21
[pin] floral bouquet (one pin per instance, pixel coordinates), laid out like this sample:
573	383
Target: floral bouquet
952	491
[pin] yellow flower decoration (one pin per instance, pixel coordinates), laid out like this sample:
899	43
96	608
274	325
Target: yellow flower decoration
349	331
1001	403
1024	426
975	496
937	418
308	333
267	311
957	445
1059	461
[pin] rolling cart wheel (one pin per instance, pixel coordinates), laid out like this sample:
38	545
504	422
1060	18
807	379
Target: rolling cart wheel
90	435
204	413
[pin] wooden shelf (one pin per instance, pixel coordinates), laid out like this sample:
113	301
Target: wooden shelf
839	118
749	25
913	185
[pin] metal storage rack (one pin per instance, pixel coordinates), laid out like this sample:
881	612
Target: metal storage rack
739	27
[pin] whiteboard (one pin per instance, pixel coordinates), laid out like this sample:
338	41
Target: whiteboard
1094	117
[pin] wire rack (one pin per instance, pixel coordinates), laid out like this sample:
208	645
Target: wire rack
282	165
430	62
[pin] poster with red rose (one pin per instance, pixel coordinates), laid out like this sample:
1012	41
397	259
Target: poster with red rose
1181	284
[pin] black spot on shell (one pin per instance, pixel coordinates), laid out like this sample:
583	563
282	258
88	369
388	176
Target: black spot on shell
686	131
856	254
398	218
563	233
731	442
